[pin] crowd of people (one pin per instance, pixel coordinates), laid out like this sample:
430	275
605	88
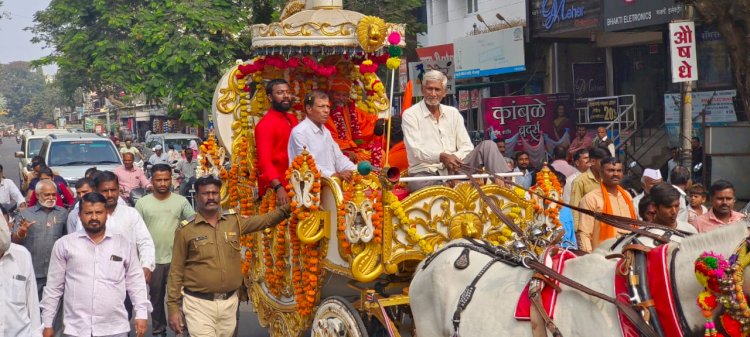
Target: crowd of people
84	265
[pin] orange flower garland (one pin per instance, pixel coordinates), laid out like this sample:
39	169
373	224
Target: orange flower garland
547	183
306	268
377	217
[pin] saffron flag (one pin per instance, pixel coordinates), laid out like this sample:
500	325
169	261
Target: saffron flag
408	93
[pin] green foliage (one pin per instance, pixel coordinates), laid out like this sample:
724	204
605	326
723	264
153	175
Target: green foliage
19	84
396	11
171	51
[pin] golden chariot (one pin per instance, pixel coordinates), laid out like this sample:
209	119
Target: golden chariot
341	264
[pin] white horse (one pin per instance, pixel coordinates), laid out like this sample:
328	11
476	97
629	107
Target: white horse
434	291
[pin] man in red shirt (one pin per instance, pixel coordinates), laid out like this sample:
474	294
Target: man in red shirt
271	139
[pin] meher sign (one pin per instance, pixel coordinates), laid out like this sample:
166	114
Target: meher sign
683	53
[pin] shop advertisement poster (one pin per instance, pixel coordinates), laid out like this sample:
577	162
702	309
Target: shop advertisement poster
718	106
603	109
493	53
529	116
589	81
438	57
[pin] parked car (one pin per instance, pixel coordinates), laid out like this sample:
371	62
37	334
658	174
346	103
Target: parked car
72	154
31	143
178	140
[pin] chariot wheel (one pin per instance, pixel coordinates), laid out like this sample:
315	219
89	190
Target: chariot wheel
336	317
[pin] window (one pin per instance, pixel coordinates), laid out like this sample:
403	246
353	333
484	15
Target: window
84	152
180	143
472	6
34	146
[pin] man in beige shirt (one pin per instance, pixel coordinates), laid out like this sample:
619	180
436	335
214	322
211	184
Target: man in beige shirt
437	142
617	201
587	181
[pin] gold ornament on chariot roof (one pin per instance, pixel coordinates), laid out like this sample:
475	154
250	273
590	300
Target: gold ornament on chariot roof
371	33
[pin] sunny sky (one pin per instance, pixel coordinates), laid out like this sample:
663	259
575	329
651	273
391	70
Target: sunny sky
16	42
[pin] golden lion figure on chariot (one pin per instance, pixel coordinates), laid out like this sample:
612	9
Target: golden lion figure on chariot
342	264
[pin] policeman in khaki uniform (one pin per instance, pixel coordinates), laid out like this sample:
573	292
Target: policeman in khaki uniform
206	272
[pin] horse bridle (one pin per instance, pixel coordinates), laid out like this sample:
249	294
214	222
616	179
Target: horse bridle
530	263
542	272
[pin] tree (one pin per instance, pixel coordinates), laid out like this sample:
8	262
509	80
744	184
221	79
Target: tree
732	20
396	11
43	104
19	83
172	52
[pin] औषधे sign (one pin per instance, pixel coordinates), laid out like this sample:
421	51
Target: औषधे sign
683	51
493	53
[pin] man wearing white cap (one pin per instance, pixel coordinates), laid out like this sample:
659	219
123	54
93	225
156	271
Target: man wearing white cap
650	178
19	301
158	157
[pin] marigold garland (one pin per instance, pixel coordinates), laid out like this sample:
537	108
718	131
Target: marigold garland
722	281
410	227
377	217
546	184
306	268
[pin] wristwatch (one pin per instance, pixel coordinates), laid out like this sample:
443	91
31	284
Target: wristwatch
277	187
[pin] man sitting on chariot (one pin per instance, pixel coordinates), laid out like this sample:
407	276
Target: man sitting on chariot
437	142
311	134
271	140
351	128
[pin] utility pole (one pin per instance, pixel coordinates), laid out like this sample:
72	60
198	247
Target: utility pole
686	127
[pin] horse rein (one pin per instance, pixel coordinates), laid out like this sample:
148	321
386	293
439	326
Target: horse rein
543	272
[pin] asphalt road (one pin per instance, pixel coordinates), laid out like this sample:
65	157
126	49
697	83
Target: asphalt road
248	323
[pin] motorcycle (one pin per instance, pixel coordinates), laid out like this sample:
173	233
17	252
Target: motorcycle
135	195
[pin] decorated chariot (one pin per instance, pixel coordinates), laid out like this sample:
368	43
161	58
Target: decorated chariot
342	263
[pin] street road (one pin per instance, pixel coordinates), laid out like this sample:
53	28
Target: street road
249	326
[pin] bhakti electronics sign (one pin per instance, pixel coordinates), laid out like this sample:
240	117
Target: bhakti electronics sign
629	14
683	54
529	116
493	53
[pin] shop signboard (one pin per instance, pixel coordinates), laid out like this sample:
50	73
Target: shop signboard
718	106
589	80
552	17
629	14
464	100
528	116
683	51
418	69
602	109
493	53
439	57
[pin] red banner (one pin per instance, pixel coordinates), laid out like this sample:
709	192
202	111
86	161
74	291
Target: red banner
435	53
529	116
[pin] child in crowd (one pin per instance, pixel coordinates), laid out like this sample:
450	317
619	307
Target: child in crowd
696	197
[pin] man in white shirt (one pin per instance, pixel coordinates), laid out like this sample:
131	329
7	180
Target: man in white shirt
313	135
680	181
19	301
650	178
10	195
602	140
158	157
437	142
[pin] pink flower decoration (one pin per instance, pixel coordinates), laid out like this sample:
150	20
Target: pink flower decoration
394	38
